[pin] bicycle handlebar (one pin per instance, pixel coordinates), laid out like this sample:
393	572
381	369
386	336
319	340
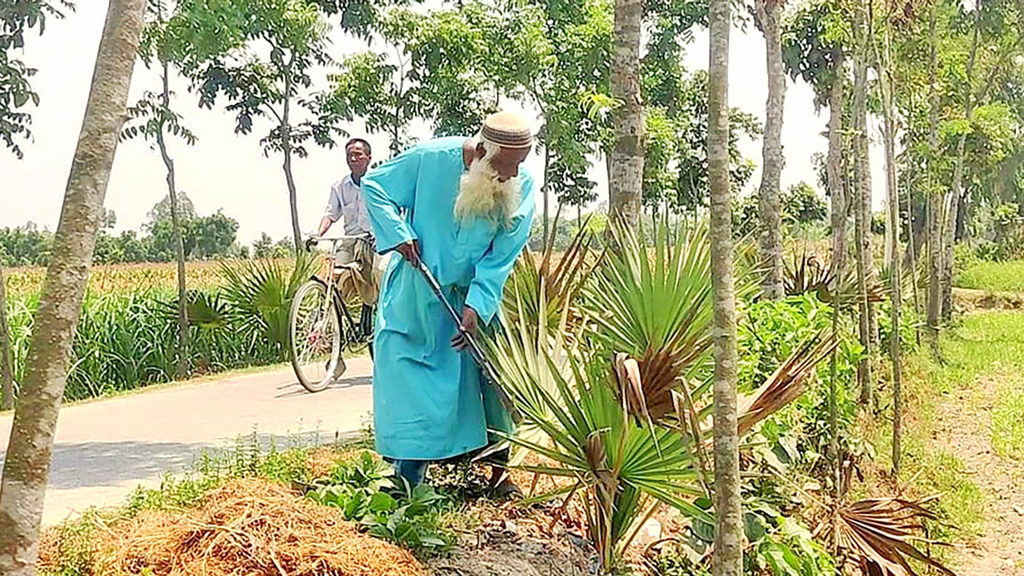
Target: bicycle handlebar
314	240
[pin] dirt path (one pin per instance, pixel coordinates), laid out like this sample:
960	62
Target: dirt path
106	448
966	421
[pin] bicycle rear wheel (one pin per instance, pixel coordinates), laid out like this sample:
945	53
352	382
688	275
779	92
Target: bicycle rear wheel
315	337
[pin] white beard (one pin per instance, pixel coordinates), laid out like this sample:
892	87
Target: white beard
483	195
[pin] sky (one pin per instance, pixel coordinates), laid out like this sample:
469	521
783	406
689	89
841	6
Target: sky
228	171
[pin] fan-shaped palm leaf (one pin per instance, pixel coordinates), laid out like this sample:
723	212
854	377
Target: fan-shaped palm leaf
260	294
812	273
654	304
559	282
618	464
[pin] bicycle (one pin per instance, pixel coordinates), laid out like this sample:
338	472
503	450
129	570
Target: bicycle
321	326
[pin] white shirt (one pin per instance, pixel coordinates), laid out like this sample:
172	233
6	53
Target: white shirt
347	200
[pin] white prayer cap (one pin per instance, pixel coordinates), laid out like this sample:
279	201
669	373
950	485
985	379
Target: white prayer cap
507	130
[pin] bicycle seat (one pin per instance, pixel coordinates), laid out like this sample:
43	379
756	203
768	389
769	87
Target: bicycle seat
354	267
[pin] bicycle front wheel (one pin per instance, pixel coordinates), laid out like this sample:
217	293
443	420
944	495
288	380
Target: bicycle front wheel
316	339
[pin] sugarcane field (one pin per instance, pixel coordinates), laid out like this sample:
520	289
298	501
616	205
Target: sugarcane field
511	288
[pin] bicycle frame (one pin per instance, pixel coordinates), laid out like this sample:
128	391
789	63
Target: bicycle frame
330	283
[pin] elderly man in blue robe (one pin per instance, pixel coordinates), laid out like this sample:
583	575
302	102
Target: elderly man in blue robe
463	206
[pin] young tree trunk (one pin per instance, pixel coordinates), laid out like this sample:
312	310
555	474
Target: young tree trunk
286	149
545	190
728	558
6	361
912	260
179	244
952	206
862	207
933	208
625	184
768	15
953	201
27	463
835	171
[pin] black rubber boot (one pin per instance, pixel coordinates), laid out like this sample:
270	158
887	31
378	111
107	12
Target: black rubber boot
366	320
501	485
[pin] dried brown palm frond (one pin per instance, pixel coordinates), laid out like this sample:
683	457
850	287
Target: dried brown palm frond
785	385
787	382
811	273
558	280
882	535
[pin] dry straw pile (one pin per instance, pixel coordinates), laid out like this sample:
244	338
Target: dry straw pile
245	527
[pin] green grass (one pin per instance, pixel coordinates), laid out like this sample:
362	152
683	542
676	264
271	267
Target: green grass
1008	419
993	276
987	347
990	346
930	468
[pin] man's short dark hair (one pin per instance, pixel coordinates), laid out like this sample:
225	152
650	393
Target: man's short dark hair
359	141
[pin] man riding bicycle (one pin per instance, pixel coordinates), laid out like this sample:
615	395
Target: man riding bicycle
355	255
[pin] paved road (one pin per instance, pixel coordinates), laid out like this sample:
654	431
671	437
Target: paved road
105	448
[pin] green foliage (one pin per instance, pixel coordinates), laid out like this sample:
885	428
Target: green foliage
409	520
814	39
799	434
778	546
15	88
25	246
787	549
353	484
204	237
770	330
408	517
801	203
225	55
246	458
73	555
679	129
126	340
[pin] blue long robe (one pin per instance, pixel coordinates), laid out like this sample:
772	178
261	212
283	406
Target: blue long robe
428	399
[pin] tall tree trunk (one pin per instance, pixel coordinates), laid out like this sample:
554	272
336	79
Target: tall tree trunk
837	192
933	208
953	200
835	171
179	244
728	558
862	205
27	465
625	185
767	14
6	361
896	292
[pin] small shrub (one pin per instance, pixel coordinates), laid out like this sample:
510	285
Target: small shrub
408	517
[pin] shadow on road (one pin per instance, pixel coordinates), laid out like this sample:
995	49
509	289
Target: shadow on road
295	389
100	464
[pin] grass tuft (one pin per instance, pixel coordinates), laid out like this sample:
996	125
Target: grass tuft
993	276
